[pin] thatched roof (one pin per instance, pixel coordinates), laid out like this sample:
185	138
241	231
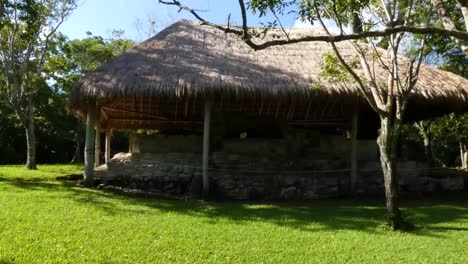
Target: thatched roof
189	60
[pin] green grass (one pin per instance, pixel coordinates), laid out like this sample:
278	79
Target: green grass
43	172
48	221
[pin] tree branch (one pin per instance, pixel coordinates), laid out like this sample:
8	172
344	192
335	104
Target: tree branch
464	9
245	28
327	38
373	99
448	23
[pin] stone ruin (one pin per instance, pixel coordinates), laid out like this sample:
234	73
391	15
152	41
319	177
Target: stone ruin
265	170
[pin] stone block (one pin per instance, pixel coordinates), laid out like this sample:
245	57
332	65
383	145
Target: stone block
233	157
454	183
288	193
290	180
310	195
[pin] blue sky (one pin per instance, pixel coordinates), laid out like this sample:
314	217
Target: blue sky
102	16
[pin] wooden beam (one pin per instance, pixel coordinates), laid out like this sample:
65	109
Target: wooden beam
308	110
89	143
127	125
261	105
108	145
278	107
354	149
152	121
104	114
176	108
186	106
319	123
135	113
97	147
131	142
206	148
194	104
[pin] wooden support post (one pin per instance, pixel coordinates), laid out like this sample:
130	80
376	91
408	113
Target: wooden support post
97	147
130	142
108	145
89	143
206	148
354	148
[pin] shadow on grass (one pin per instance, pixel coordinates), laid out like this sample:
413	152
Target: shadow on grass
434	215
447	228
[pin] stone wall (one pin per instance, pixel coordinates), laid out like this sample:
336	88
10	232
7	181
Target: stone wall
171	173
269	177
295	144
303	165
160	143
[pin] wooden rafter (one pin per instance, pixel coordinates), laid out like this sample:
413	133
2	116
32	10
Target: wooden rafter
133	112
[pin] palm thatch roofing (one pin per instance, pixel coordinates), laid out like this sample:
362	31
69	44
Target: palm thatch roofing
165	80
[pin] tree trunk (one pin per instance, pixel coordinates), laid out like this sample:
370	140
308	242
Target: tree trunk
424	127
354	149
428	149
464	9
447	22
463	156
2	12
386	142
26	117
108	145
30	136
78	155
97	147
89	143
31	144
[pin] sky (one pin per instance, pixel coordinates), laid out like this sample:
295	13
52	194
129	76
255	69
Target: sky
101	17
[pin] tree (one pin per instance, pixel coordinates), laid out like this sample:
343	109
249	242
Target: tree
452	128
26	31
10	132
446	54
424	127
443	11
383	23
74	59
147	27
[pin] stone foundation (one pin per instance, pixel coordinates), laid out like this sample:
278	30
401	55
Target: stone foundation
236	176
172	173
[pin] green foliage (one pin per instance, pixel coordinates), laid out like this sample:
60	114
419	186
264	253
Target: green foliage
11	137
26	31
78	57
333	70
57	222
265	6
317	86
451	126
339	10
65	63
446	134
148	132
441	51
73	59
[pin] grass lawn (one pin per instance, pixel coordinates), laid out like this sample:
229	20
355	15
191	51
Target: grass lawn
47	221
44	172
